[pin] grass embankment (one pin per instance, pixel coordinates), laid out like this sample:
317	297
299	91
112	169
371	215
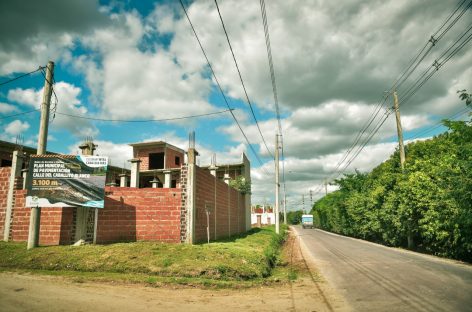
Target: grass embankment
240	261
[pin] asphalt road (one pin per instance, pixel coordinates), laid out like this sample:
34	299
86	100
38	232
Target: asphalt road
371	277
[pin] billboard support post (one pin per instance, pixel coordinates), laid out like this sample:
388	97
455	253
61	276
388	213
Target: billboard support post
33	234
67	181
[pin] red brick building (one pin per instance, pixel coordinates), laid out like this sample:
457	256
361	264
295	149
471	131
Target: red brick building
168	198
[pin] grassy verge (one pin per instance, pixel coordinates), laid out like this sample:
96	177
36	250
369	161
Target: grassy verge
240	261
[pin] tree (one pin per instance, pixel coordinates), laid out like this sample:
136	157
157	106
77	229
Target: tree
428	205
241	184
294	217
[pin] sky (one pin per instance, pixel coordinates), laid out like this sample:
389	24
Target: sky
139	60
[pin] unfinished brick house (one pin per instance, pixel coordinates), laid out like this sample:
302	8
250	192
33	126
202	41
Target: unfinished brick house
164	197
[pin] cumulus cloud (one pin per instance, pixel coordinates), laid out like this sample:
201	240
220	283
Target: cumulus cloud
29	97
121	73
68	103
7	108
327	129
118	153
32	33
321	50
302	175
16	127
332	64
227	155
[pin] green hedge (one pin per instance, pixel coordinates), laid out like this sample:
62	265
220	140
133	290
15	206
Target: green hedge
427	207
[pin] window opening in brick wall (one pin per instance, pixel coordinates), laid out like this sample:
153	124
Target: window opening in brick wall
156	161
173	184
5	163
177	160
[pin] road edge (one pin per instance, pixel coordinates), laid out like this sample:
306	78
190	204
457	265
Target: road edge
402	250
332	299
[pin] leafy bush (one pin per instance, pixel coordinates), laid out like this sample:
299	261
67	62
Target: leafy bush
427	207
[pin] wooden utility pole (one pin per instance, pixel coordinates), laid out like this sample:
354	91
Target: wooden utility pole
35	216
399	129
277	185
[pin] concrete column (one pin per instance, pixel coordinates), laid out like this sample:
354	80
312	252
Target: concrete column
168	179
213	170
247	197
123	180
154	182
227	178
135	172
87	148
95	226
81	224
24	174
191	194
17	162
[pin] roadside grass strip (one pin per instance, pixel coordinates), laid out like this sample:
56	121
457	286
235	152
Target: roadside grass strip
244	258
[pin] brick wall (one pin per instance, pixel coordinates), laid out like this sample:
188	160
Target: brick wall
132	214
129	215
227	213
4	177
56	223
5	155
170	158
143	155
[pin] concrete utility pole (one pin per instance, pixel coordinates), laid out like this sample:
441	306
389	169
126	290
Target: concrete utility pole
285	208
277	185
411	243
326	186
399	129
35	216
303	202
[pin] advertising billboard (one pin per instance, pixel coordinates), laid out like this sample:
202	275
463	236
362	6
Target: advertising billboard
66	181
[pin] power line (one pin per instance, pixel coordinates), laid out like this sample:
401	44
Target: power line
123	120
274	88
241	79
56	100
363	130
221	90
363	145
449	17
439	124
146	120
271	64
414	63
433	41
19	114
21	76
441	61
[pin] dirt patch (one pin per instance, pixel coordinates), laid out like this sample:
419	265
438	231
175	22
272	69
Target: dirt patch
47	293
26	292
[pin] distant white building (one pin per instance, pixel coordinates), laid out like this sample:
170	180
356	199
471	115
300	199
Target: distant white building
262	215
